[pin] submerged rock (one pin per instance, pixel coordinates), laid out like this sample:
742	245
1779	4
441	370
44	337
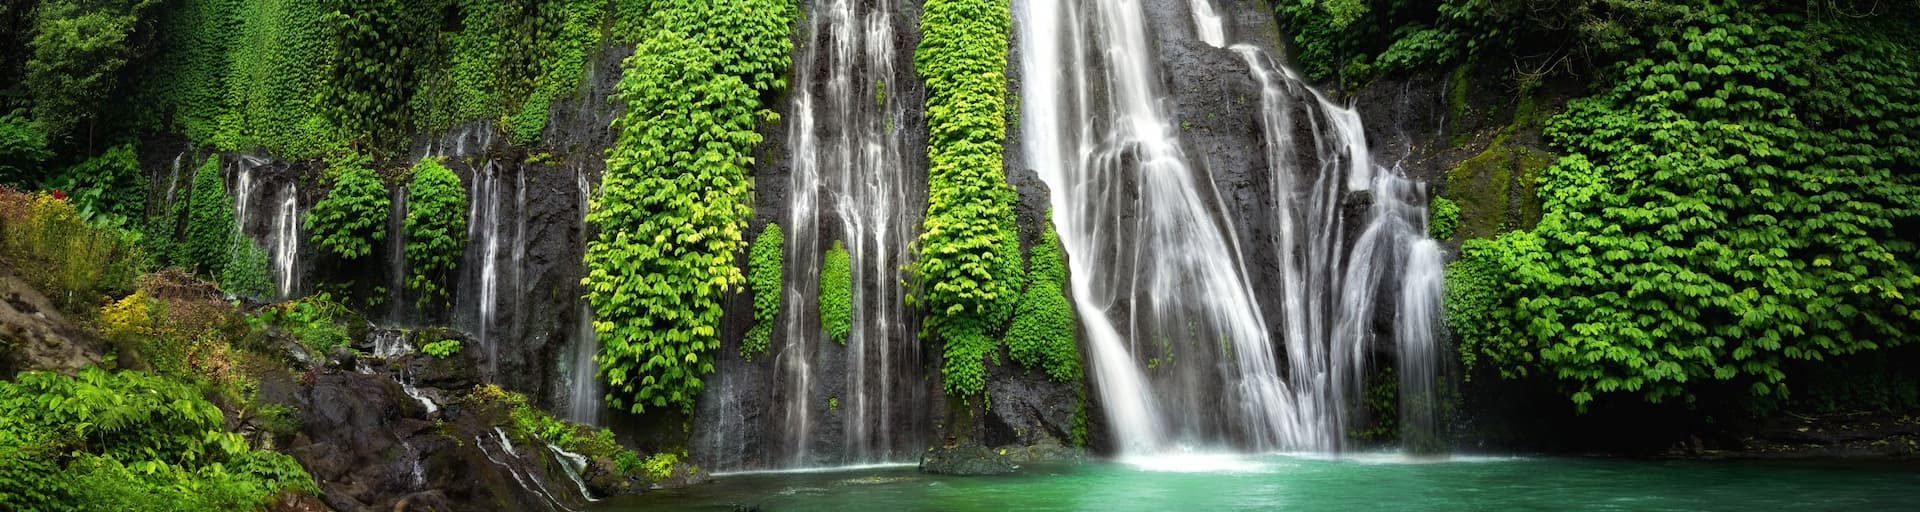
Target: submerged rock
966	460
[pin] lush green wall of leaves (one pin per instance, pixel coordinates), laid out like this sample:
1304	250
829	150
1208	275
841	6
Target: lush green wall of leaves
767	277
674	202
1739	192
1042	335
353	214
969	267
836	293
436	228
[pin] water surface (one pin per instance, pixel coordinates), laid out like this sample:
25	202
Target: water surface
1365	482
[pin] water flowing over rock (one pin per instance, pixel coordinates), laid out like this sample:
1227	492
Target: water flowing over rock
1181	341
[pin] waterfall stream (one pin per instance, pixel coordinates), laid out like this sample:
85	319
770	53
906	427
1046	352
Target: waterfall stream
1179	342
849	182
286	242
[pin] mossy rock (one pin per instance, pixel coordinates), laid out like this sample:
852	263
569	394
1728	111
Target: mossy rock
1497	189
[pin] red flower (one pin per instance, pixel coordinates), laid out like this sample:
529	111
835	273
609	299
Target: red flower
57	194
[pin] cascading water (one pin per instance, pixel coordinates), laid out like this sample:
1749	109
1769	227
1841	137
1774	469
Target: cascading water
286	242
1416	330
848	166
397	257
1179	341
584	396
484	225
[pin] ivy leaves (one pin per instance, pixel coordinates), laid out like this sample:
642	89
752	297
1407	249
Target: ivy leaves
767	276
436	228
673	206
969	254
354	212
836	293
1042	335
1727	204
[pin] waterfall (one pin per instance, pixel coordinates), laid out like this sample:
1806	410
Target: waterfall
173	181
243	187
1179	341
484	225
1416	329
849	180
286	242
397	257
585	399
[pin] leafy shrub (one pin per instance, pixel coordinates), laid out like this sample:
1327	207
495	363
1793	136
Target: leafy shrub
23	146
102	440
77	264
969	255
353	215
245	272
766	277
210	223
673	204
316	321
109	187
180	327
836	293
436	228
1042	335
77	51
442	349
1444	218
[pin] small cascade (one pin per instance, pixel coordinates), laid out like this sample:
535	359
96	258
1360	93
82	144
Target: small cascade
285	242
849	181
243	166
397	258
488	252
389	344
1416	329
416	471
1209	28
575	464
173	179
528	480
585	399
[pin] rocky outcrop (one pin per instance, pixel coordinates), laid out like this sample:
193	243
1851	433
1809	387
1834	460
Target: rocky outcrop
35	336
966	460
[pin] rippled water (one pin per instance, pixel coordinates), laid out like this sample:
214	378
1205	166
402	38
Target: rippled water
1366	482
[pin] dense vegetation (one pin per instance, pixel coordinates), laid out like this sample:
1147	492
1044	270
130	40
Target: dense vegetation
1043	325
766	276
436	228
353	215
1737	193
673	206
968	267
836	293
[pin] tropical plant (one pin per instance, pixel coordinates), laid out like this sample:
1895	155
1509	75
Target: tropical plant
1042	335
765	276
836	293
968	267
210	223
436	228
353	215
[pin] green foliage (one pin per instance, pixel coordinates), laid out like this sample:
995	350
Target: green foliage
1042	335
568	30
527	421
436	228
442	349
75	263
1444	218
766	277
245	272
316	321
210	223
836	293
353	215
78	49
109	187
185	87
660	466
23	147
102	440
674	201
280	62
1740	195
969	254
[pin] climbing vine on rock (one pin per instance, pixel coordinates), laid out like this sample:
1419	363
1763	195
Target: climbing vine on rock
836	293
766	276
1741	193
968	267
1042	335
353	215
436	228
210	223
674	202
